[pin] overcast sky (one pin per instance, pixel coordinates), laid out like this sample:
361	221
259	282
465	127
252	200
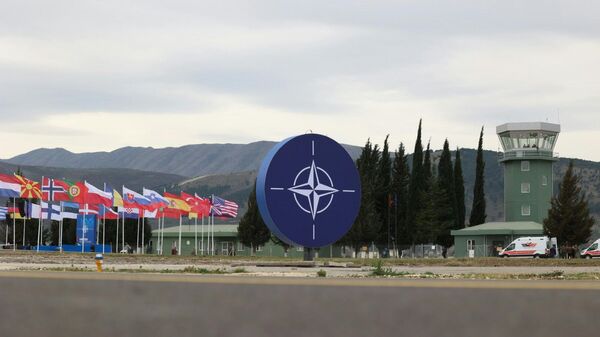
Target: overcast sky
99	75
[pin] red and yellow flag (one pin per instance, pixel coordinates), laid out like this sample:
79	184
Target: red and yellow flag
29	189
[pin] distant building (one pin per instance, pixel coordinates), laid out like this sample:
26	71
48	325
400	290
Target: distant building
528	160
226	243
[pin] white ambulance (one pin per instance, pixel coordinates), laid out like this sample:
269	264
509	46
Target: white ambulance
592	251
538	246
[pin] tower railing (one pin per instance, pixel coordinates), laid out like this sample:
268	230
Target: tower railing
527	154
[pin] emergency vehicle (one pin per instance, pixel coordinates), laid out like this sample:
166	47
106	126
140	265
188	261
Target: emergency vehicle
592	251
528	246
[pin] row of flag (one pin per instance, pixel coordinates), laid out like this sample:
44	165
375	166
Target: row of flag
108	203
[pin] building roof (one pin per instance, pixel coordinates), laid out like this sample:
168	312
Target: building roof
189	230
502	228
532	126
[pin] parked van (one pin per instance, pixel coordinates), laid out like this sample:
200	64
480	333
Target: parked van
592	251
538	246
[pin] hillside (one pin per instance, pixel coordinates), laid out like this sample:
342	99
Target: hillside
188	161
114	177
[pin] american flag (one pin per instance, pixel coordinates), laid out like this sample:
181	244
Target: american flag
224	208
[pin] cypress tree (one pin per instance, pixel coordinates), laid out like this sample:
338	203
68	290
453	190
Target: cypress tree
569	217
400	181
252	230
445	198
382	193
427	168
478	214
459	188
366	226
415	188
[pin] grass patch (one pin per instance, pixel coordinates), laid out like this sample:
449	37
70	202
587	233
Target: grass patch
380	271
322	273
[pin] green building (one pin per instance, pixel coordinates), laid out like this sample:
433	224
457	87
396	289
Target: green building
226	243
487	239
528	160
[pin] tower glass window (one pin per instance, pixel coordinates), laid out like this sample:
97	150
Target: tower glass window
526	210
525	166
525	188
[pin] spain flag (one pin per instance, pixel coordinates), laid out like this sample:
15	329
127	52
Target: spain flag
29	189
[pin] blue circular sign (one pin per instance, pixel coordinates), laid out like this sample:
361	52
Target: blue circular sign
308	191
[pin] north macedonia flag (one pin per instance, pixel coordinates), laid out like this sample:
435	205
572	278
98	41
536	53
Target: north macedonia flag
29	188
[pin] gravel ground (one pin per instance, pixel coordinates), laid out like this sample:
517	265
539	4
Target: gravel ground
256	266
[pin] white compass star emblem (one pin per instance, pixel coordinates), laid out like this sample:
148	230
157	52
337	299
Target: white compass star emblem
313	190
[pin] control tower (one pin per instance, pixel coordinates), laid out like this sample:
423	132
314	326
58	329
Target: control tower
528	158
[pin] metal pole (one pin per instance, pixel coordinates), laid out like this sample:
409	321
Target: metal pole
14	223
213	235
117	238
23	232
143	229
104	234
179	247
60	228
123	232
202	235
196	234
137	237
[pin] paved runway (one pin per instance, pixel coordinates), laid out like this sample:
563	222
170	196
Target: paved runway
89	304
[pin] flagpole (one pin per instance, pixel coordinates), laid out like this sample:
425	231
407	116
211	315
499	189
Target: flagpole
40	222
14	224
24	231
196	234
179	247
123	232
202	235
162	236
143	230
97	224
137	238
213	235
84	222
60	230
117	238
104	233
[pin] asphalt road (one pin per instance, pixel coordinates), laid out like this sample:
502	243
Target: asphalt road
88	304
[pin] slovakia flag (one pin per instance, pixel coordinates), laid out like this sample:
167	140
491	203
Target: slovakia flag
133	199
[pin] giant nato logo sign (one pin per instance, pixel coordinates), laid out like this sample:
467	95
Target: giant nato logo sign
308	191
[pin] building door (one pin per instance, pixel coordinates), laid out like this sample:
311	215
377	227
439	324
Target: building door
226	248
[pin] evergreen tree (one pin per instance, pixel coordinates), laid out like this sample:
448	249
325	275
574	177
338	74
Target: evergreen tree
478	214
366	226
382	195
252	230
416	186
569	217
445	198
459	188
427	167
400	181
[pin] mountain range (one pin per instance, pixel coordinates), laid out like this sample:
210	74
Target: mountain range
229	170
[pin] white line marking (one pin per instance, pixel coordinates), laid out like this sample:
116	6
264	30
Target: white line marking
313	148
313	231
277	189
348	191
